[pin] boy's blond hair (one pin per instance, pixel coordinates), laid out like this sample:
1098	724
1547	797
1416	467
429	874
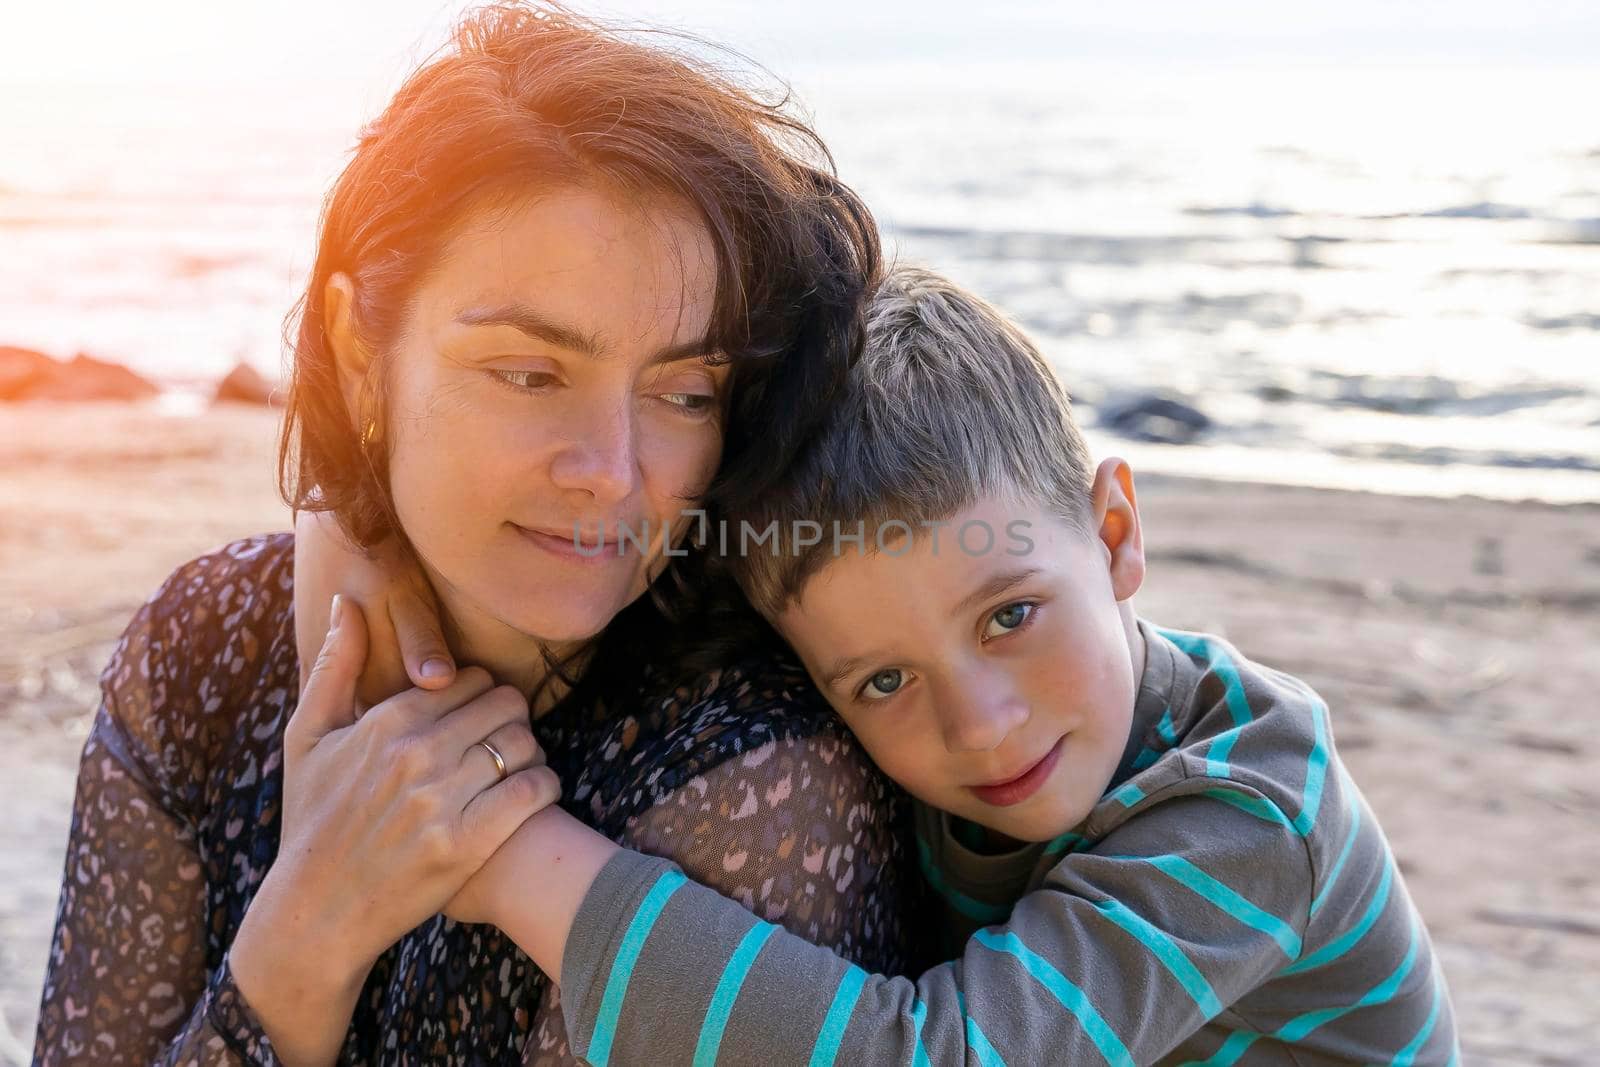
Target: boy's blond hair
949	402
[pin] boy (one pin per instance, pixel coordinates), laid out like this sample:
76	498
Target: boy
1145	846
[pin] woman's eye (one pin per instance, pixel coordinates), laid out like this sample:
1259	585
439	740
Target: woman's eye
1007	619
883	684
526	380
693	403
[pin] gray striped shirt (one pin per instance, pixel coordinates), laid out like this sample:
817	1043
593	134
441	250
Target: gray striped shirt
1231	899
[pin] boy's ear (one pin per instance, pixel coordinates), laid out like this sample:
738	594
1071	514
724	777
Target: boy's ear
351	359
1116	516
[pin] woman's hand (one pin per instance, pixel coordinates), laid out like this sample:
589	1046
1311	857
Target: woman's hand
384	819
406	645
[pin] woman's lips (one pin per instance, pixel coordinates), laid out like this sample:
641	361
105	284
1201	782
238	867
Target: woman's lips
1016	790
574	549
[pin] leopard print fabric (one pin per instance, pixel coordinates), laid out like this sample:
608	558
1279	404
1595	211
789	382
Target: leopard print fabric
743	778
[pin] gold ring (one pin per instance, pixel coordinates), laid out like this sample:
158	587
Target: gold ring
499	760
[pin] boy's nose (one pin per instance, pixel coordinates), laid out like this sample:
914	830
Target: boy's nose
980	721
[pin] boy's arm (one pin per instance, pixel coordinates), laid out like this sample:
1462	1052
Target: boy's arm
1122	954
801	830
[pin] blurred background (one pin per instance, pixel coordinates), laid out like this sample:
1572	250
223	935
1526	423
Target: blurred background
1275	250
1359	239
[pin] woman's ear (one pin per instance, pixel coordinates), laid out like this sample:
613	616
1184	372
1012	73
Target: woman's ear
351	358
1116	515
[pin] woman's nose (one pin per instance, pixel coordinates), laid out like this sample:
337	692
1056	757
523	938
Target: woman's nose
979	715
602	456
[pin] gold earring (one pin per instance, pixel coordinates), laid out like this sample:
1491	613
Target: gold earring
368	432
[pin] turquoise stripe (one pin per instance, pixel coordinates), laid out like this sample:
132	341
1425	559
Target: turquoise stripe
1189	643
839	1012
1408	1055
1165	730
1344	854
1071	997
1261	808
1228	1053
1128	794
1217	751
1316	767
1166	950
1169	737
972	909
633	939
987	1054
1223	667
1217	754
969	834
1347	940
977	1042
1301	1025
1065	843
727	991
919	1015
1193	878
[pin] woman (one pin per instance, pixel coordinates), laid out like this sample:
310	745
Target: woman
566	281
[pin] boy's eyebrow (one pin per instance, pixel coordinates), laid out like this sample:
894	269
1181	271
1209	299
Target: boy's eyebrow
996	585
842	669
539	326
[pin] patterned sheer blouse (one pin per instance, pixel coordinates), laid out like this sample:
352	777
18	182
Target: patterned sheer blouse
742	778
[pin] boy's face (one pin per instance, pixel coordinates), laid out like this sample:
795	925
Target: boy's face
998	687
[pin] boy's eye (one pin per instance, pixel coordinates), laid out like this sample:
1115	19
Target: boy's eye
883	684
1007	619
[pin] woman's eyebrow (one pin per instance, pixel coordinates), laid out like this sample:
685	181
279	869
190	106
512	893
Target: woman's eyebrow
541	327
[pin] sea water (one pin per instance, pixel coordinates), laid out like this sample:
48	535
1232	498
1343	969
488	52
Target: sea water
1374	277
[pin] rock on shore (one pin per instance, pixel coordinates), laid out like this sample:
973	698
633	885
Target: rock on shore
26	375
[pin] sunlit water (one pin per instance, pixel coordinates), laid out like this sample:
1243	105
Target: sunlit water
1365	277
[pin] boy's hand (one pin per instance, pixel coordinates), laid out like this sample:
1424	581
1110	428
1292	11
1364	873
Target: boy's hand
407	645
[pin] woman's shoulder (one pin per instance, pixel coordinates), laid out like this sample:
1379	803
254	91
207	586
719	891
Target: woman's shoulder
264	562
211	648
768	678
754	699
678	730
217	614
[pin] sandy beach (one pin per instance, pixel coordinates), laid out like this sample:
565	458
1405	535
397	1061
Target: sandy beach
1453	639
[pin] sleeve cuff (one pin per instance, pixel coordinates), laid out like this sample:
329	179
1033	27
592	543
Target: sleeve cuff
231	1018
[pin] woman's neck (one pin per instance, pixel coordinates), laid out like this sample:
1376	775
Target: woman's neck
514	658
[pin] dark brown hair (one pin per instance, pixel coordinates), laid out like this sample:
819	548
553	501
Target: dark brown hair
530	95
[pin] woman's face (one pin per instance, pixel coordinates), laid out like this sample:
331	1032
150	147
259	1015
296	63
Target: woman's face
552	378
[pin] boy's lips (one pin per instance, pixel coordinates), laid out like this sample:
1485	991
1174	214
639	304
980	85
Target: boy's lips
1011	791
